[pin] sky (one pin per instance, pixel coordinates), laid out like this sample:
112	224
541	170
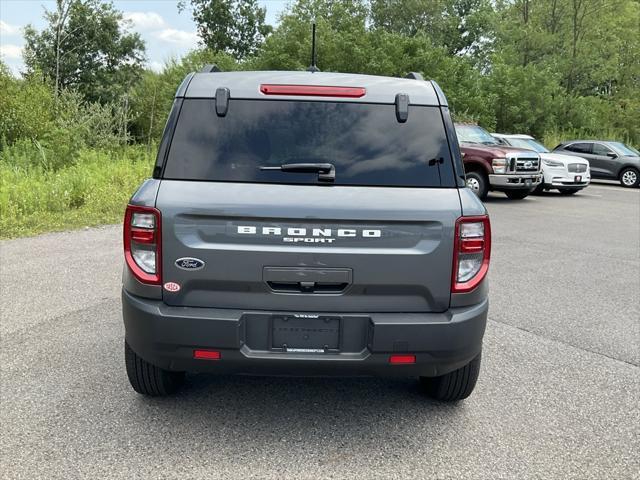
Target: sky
166	32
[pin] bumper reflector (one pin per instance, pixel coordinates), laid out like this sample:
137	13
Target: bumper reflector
207	355
402	359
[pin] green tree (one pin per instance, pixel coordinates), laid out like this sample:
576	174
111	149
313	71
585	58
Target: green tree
85	46
460	26
236	27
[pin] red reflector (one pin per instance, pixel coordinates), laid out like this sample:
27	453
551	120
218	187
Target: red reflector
471	245
313	90
141	235
402	359
207	355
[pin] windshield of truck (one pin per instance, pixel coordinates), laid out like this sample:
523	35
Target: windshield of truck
475	134
364	142
624	149
528	144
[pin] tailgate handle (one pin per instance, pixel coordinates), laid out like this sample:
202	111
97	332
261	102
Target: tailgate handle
307	280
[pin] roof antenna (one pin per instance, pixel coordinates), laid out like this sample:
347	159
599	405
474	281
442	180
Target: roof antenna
313	68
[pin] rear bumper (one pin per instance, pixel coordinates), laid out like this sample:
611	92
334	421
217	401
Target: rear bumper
515	181
167	336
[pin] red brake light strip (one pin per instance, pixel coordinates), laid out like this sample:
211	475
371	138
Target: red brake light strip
312	91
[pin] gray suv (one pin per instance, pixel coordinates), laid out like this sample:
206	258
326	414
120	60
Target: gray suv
302	223
607	160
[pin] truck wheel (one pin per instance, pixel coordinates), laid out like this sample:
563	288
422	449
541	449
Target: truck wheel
148	379
453	386
629	178
517	194
478	184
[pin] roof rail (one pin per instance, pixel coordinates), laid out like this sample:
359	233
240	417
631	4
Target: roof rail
210	68
414	76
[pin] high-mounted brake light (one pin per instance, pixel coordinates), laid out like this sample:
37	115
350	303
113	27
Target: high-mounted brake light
312	91
142	238
471	253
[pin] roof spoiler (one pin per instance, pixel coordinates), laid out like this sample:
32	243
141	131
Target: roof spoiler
210	68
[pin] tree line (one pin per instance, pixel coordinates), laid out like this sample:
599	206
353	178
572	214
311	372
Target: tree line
551	68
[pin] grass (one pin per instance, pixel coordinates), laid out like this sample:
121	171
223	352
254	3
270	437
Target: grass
92	191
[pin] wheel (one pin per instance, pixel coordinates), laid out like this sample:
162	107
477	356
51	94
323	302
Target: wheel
148	379
567	191
629	177
478	184
539	189
517	194
453	386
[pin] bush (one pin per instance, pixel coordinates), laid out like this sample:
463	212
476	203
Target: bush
93	191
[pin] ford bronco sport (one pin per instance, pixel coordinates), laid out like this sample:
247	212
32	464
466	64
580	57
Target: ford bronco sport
302	223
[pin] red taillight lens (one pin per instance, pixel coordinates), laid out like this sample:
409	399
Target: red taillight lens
402	359
312	91
471	254
207	355
142	238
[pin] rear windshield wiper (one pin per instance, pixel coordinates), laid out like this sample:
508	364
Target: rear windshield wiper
326	171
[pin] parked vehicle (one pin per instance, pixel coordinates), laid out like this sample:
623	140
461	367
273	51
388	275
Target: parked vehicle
608	160
304	223
566	173
491	166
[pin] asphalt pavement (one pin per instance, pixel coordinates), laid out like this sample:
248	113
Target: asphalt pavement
558	395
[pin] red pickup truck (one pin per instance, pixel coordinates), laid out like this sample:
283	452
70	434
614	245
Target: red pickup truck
490	166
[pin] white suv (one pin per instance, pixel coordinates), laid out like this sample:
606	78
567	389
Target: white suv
567	173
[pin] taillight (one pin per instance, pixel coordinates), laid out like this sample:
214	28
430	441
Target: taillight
142	239
471	253
312	90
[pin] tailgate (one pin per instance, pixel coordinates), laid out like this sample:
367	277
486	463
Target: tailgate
307	247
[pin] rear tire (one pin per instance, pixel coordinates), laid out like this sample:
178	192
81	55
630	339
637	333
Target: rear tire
453	386
478	183
629	177
517	194
567	191
147	379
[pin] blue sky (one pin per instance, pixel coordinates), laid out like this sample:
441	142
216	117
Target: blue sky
166	32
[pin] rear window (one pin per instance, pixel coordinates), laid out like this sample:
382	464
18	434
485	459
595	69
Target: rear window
365	143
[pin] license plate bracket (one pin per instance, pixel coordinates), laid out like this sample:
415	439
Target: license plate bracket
577	178
305	334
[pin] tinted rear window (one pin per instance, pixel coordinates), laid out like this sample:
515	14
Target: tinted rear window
365	143
580	147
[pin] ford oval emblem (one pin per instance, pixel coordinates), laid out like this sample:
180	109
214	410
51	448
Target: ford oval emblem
189	263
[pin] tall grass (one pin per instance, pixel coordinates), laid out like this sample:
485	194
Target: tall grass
553	138
92	191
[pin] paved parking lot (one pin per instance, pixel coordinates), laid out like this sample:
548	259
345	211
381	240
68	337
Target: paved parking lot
557	397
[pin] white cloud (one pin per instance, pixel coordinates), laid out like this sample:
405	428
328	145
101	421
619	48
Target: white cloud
177	37
145	20
9	30
10	51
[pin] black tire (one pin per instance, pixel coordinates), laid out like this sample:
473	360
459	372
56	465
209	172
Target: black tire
517	194
453	386
478	183
629	177
567	191
539	190
148	379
